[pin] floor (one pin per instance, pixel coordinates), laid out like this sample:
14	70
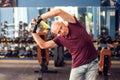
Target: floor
28	70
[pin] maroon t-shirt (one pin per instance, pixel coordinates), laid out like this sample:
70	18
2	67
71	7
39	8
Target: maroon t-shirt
79	44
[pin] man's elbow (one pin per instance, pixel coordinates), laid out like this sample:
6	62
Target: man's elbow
58	11
43	46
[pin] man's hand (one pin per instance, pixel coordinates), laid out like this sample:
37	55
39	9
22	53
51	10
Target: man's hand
34	24
31	25
33	21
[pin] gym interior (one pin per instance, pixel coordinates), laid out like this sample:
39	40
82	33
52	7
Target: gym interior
22	59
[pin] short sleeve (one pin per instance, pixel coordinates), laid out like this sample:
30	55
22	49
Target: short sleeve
57	41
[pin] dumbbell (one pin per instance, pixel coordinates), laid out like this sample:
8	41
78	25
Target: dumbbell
16	40
2	53
102	40
9	40
109	40
51	52
112	50
16	52
25	33
29	52
116	51
67	54
9	53
3	39
34	49
22	52
29	40
22	40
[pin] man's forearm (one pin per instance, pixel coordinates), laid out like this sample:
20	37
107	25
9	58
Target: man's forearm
38	40
58	12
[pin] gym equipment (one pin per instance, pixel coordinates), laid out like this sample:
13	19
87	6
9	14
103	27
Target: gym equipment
3	40
23	33
43	54
112	50
106	65
22	52
16	40
15	52
105	61
22	40
104	40
99	48
104	30
2	52
101	39
109	40
29	40
29	52
67	54
59	57
51	52
9	40
59	52
8	53
105	3
44	57
117	51
34	51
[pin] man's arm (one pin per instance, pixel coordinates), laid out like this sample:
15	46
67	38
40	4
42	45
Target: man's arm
59	12
55	12
42	43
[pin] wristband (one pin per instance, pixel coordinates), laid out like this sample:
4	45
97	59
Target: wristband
35	28
37	22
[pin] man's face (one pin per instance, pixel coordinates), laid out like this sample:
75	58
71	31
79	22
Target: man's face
59	29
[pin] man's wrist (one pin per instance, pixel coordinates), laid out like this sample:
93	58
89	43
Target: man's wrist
39	19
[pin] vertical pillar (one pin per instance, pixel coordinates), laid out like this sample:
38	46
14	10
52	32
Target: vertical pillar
110	23
20	14
99	20
117	16
89	22
95	23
